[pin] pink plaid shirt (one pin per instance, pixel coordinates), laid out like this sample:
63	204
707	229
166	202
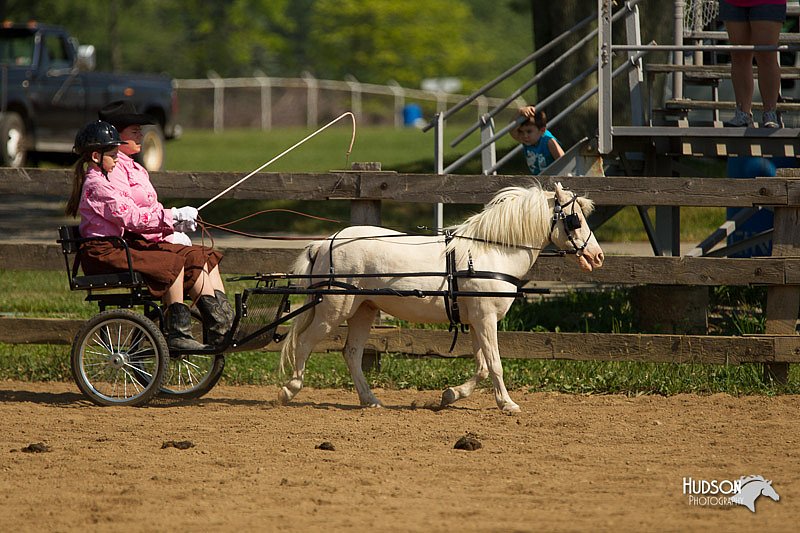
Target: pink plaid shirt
126	201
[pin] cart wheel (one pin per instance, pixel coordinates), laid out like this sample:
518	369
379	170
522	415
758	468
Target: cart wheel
191	376
119	358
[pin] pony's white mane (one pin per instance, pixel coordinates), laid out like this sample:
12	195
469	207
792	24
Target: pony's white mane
516	216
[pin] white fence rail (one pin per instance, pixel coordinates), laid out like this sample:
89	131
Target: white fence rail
218	103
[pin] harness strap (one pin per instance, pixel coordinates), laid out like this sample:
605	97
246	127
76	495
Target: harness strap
487	274
331	269
451	297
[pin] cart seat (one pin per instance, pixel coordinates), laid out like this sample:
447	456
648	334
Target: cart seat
70	240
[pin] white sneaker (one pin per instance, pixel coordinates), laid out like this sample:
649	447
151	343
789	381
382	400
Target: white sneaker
770	119
740	120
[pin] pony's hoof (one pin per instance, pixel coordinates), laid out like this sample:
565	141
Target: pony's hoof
284	396
449	396
372	404
510	408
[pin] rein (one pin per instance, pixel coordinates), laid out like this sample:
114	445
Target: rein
405	233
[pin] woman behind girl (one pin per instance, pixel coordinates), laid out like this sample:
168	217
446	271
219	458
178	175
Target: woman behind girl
110	205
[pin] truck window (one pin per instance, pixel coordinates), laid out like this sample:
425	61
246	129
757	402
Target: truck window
55	52
16	50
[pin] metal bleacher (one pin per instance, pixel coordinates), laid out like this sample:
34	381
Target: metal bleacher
690	124
669	123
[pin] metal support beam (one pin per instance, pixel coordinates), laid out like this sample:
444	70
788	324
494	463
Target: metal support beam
438	149
677	57
604	76
489	153
635	75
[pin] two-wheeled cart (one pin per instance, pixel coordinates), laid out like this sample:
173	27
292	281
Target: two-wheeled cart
120	356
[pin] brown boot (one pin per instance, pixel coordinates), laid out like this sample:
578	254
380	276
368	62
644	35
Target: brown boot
216	321
179	328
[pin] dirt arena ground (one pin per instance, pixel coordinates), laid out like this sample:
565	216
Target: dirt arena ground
566	463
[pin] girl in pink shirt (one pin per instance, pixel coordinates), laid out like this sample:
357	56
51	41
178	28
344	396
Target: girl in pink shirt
110	205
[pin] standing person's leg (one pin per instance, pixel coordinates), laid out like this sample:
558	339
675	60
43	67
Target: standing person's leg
739	33
767	32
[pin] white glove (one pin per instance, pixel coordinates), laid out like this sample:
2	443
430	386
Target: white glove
179	238
187	215
181	214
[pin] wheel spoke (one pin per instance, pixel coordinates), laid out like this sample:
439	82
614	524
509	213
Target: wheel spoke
101	341
134	381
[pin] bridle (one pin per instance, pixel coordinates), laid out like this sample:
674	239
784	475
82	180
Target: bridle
571	221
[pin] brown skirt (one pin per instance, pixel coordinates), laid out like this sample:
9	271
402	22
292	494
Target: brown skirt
160	263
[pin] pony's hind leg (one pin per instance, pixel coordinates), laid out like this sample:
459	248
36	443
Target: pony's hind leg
453	394
358	327
304	342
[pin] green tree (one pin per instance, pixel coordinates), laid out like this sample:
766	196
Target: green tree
185	38
375	40
232	38
379	40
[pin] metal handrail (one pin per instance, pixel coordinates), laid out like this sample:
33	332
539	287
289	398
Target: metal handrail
527	85
631	62
513	70
704	47
516	94
620	13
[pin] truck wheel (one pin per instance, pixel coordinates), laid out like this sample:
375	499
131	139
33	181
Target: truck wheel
152	154
13	140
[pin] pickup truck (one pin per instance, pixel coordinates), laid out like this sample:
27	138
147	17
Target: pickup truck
48	90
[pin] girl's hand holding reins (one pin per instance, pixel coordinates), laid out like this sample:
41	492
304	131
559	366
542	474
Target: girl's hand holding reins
185	218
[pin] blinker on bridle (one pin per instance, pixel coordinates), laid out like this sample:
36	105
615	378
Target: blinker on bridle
571	222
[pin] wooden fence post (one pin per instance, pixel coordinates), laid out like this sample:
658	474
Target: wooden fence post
783	302
367	213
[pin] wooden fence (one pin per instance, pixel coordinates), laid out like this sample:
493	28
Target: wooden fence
779	347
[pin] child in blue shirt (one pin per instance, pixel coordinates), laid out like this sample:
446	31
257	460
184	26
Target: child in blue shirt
539	146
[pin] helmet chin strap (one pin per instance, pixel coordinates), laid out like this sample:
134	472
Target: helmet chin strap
100	164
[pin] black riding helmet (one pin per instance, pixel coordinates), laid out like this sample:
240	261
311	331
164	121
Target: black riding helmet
97	136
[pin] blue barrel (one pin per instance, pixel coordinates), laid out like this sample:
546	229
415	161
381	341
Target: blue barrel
751	167
412	115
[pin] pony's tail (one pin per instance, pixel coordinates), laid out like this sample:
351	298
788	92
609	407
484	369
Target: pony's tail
303	266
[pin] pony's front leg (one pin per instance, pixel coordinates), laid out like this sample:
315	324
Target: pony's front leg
486	335
453	394
358	327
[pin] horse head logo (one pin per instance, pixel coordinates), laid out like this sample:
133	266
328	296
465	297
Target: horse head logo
751	487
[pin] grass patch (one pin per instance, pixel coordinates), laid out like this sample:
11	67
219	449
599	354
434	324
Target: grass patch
240	150
697	223
733	311
51	363
406	150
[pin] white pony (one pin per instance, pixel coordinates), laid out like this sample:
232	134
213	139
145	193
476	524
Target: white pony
506	237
